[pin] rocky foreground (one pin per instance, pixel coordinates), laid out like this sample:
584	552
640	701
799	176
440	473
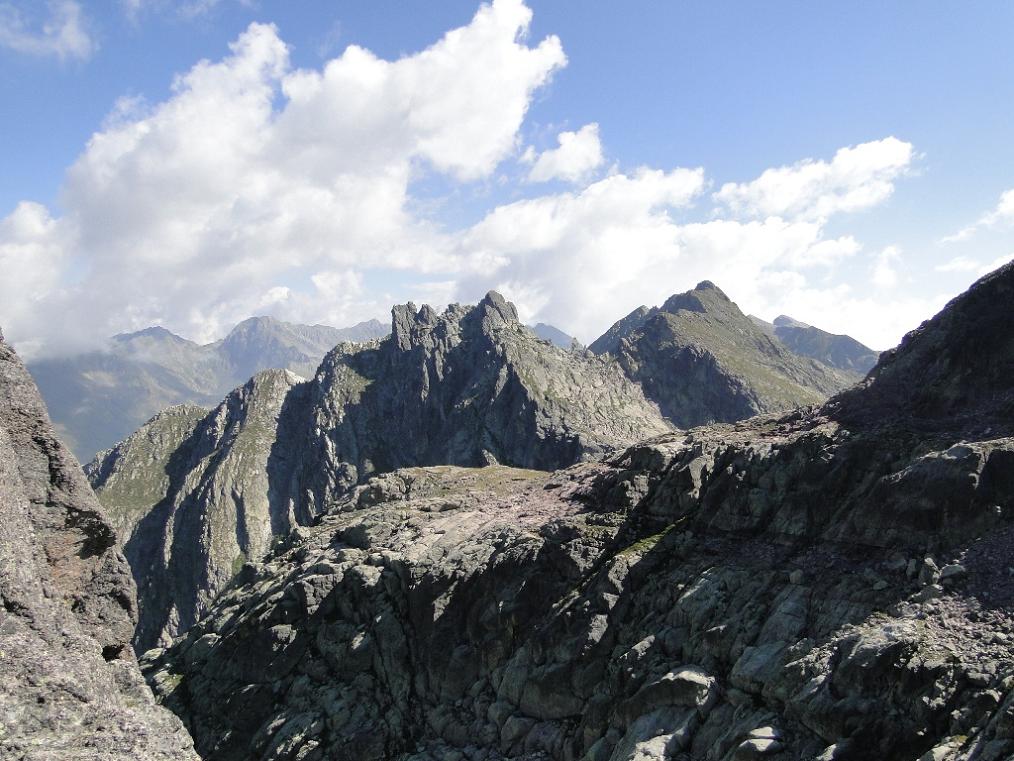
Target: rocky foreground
831	584
69	684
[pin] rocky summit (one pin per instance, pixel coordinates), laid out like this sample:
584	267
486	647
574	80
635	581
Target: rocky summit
70	687
195	496
827	584
703	361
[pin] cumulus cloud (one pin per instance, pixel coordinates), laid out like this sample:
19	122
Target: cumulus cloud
579	154
885	270
62	34
580	260
857	178
1001	214
254	175
256	187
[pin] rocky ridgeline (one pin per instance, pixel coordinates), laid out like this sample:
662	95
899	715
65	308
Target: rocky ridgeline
703	361
831	584
196	496
69	684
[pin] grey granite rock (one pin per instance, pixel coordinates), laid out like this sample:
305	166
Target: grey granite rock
69	684
644	606
197	498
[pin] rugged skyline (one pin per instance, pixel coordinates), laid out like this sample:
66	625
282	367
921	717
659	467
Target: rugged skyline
214	160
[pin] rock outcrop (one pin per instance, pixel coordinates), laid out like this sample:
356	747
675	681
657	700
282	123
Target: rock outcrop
192	498
842	352
828	584
196	498
69	683
98	398
703	361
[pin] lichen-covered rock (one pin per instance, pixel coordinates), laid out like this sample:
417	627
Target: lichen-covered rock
644	607
69	684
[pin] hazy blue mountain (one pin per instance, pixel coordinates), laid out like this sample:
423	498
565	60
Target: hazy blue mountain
840	351
99	397
554	335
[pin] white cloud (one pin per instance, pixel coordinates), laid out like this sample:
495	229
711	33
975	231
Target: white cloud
885	271
857	178
1001	214
62	34
256	187
583	260
967	264
579	154
253	175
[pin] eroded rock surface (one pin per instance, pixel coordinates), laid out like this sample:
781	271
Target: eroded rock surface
832	584
195	497
69	685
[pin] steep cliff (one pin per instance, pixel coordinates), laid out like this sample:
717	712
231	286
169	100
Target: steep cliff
69	684
192	497
830	584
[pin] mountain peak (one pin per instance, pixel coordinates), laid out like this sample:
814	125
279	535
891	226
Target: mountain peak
705	297
784	321
257	322
500	306
155	332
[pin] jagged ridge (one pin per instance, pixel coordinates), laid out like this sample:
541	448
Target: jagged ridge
469	387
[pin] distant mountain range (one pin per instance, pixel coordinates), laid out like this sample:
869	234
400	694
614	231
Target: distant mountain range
554	335
842	352
98	398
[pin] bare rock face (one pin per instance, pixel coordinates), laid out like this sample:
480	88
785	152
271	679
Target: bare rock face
818	585
69	684
703	361
191	495
197	497
472	386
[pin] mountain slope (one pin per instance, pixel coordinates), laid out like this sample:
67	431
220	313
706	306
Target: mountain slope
828	584
704	361
839	351
69	684
98	398
197	497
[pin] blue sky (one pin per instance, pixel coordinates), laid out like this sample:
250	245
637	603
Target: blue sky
733	89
